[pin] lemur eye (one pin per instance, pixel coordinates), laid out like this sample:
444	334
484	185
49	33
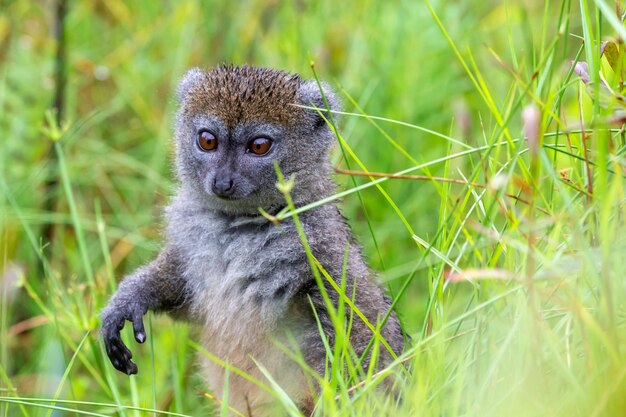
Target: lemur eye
259	146
206	140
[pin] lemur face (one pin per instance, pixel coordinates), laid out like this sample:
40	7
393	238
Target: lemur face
234	164
236	124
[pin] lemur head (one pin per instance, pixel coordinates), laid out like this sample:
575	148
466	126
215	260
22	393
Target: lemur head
235	123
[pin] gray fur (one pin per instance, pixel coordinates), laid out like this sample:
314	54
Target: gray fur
245	281
191	78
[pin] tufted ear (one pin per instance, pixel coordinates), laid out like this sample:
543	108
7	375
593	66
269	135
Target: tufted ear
309	94
190	79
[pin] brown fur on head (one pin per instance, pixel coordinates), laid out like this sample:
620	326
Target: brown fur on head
236	94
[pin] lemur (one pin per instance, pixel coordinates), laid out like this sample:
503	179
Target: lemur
246	282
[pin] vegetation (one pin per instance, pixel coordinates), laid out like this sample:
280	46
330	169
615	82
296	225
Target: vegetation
502	239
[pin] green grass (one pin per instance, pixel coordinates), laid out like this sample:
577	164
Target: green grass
504	254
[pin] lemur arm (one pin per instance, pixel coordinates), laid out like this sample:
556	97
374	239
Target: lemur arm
158	286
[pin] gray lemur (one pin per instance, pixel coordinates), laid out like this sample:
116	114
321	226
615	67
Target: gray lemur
246	281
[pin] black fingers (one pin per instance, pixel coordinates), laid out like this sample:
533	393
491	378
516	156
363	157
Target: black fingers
140	333
119	354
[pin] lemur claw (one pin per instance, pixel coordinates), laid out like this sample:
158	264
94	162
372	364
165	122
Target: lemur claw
118	352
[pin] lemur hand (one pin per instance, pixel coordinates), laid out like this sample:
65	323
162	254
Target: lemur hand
113	321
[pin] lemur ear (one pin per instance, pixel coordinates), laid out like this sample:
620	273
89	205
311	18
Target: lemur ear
191	78
309	94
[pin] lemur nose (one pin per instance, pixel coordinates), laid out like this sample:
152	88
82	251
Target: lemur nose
223	186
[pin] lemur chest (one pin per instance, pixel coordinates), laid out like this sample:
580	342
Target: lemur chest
234	285
229	277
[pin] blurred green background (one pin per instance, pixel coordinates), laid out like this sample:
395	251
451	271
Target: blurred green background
79	213
124	60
